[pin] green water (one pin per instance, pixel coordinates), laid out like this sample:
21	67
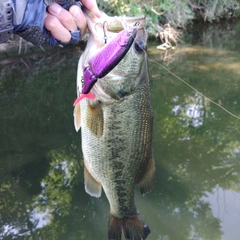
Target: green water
196	145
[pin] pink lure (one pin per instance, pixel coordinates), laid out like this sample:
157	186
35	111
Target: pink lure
82	96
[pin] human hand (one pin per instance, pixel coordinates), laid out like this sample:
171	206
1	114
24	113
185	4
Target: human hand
47	22
60	22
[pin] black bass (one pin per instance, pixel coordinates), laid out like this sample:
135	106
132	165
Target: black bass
116	126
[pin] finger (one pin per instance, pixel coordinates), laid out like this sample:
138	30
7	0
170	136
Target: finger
92	6
79	18
56	28
63	16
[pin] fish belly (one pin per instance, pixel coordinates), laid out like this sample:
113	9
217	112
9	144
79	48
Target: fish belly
119	157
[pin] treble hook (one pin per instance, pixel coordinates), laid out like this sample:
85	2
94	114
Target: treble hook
104	30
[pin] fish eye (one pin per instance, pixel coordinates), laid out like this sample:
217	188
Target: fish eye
140	46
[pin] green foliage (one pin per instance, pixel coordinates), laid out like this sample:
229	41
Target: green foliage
216	9
135	8
179	13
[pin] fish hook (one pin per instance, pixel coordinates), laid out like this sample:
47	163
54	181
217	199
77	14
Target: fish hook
104	30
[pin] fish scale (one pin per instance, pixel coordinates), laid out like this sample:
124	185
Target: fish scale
116	129
128	149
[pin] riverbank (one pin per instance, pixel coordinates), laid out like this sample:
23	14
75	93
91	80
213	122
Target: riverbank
16	47
165	20
19	50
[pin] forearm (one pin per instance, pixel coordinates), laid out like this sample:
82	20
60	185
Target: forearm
6	20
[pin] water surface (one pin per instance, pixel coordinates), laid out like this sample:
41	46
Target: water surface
196	145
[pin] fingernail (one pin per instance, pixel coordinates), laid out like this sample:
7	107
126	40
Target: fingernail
55	9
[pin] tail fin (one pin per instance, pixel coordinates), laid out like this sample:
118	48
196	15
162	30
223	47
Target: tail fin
133	228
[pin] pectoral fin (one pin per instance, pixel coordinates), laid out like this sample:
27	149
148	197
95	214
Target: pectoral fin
95	118
147	182
92	187
77	117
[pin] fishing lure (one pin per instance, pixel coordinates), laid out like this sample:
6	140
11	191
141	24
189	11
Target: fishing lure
104	61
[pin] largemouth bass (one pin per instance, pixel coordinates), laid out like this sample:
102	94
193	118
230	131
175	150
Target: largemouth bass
116	126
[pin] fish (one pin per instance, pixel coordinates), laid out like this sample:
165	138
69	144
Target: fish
116	125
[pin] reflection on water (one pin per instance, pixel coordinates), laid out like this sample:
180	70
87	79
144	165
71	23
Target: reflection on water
196	146
225	205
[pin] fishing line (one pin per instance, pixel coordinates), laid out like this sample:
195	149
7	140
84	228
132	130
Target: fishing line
201	94
180	79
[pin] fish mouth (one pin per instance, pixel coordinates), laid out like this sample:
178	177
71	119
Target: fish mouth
108	58
112	38
113	24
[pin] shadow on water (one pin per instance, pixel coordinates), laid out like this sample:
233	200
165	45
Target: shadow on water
196	146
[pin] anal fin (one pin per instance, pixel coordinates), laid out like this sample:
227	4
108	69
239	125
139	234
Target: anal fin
95	118
92	187
147	182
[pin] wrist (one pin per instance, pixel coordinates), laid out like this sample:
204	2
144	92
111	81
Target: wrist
6	20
